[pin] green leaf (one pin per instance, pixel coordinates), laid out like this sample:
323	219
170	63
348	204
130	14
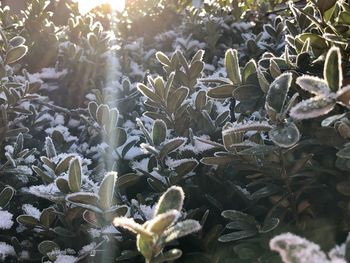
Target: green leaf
343	96
312	108
277	93
247	92
196	69
285	135
62	185
333	72
324	5
181	229
170	146
15	54
332	119
106	191
102	114
86	200
74	175
144	246
232	66
127	180
176	98
46	177
63	165
162	58
221	92
186	167
150	94
201	100
237	215
93	109
173	198
47	217
6	196
240	224
47	246
269	225
159	132
344	153
115	211
317	43
221	160
234	236
198	56
63	232
249	69
28	221
17	41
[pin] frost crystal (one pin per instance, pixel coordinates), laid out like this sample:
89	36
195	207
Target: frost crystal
6	250
5	220
65	259
31	210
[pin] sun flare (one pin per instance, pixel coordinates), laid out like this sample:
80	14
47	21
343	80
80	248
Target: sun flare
86	5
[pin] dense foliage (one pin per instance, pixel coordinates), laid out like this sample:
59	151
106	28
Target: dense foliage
207	130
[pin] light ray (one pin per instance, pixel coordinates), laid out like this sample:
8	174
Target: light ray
87	5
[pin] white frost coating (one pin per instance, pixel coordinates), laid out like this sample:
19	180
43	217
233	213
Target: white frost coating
6	250
293	248
65	133
133	152
148	211
198	146
156	175
142	165
50	191
24	255
109	230
9	149
65	259
5	220
47	73
31	210
338	252
87	248
94	232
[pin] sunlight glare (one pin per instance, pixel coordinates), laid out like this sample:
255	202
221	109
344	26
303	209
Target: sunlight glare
86	5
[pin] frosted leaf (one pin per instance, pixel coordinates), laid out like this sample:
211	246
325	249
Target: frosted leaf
5	220
295	249
313	85
312	108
